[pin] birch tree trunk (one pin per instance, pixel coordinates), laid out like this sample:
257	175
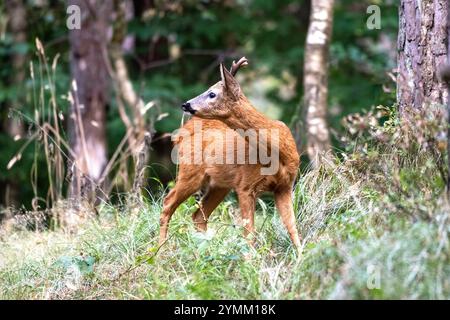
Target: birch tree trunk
88	47
316	79
422	49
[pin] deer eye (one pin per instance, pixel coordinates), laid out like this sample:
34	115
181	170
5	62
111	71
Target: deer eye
212	95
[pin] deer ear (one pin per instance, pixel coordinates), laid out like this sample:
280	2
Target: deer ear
229	82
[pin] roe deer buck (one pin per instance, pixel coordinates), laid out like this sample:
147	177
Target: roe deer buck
224	110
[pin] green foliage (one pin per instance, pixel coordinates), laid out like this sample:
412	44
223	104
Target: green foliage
361	58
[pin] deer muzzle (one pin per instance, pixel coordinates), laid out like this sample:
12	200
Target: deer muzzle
187	108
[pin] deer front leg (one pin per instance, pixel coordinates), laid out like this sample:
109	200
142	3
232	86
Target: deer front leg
283	200
175	197
247	206
210	201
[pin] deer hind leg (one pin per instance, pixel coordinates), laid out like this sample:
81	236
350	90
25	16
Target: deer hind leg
176	196
210	201
247	203
283	202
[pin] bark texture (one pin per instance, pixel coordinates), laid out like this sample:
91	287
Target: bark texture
422	51
88	49
316	79
445	75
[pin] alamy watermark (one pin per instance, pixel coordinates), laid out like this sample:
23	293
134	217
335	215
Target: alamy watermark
374	20
73	21
373	277
228	146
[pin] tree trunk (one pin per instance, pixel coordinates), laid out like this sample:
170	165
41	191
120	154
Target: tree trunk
445	76
316	79
422	50
89	96
139	138
14	127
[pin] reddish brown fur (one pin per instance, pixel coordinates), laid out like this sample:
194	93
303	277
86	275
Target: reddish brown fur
245	179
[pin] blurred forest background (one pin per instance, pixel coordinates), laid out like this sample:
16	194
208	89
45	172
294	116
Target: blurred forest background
172	50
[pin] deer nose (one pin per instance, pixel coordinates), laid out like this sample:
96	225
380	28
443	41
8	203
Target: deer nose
187	107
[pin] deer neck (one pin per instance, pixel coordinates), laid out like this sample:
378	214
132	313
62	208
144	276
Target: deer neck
245	117
276	136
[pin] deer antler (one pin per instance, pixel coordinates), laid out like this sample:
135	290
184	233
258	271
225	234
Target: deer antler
236	65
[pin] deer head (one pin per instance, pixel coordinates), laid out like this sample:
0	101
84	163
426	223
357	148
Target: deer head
217	102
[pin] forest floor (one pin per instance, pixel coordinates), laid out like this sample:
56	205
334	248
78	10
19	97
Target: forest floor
375	224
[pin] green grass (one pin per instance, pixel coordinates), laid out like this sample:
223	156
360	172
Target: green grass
350	243
375	225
